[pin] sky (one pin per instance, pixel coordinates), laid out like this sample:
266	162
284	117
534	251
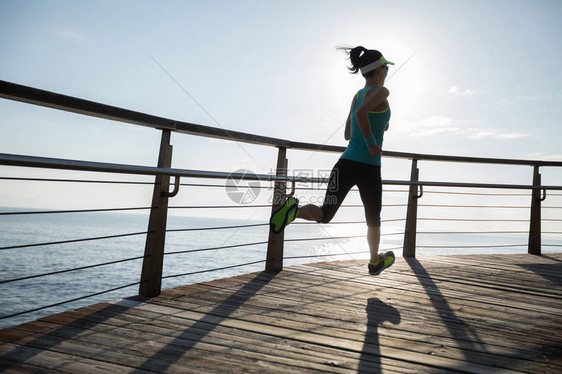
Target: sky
472	78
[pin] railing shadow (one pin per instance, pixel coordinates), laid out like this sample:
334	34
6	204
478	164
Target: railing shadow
199	329
466	337
377	313
551	272
551	258
50	338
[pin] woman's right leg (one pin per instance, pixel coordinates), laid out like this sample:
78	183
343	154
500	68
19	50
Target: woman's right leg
339	184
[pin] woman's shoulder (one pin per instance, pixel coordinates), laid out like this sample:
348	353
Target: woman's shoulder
373	90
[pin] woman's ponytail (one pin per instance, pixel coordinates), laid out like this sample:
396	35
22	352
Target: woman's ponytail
360	56
355	56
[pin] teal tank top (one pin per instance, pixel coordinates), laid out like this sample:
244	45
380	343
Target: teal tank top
356	148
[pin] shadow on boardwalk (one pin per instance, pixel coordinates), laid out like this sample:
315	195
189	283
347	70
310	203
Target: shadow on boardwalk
462	332
377	313
55	336
190	337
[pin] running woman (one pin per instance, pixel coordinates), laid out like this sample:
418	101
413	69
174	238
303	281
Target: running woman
360	164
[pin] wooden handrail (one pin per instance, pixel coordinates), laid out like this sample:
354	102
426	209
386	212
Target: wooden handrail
103	167
49	99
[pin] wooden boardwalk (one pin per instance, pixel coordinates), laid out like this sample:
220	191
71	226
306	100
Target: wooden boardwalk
477	314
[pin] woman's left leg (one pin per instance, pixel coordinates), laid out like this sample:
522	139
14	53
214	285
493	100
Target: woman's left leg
374	239
370	188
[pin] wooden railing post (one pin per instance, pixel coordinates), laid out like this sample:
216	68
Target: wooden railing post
535	224
274	259
409	249
151	277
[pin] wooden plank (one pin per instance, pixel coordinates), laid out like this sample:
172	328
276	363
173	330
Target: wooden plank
233	341
49	360
317	318
279	322
305	356
333	316
409	280
324	322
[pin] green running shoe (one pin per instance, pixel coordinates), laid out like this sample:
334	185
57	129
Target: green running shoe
284	215
385	261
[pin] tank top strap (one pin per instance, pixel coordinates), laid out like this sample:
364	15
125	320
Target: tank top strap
364	90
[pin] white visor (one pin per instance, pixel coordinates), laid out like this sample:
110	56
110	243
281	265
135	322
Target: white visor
373	65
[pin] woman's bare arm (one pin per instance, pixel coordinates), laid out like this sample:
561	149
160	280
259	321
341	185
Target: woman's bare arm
347	133
373	99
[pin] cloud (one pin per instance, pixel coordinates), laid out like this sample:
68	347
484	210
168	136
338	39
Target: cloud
544	157
430	126
478	134
456	91
511	135
440	124
482	134
68	33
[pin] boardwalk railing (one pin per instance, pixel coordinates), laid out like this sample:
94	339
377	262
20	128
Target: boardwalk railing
151	278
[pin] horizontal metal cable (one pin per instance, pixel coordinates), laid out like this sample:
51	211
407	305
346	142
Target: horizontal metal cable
325	255
265	206
477	193
243	186
214	248
74	269
338	254
345	222
337	237
472	246
474	220
217	228
475	206
74	240
223	185
73	180
72	211
361	205
246	186
69	301
66	164
325	238
217	269
472	232
219	206
391	249
330	223
486	220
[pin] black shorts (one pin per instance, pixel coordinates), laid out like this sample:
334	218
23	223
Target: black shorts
345	175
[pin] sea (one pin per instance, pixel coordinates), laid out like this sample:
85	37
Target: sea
36	250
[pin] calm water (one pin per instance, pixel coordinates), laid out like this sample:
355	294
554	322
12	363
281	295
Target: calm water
33	293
